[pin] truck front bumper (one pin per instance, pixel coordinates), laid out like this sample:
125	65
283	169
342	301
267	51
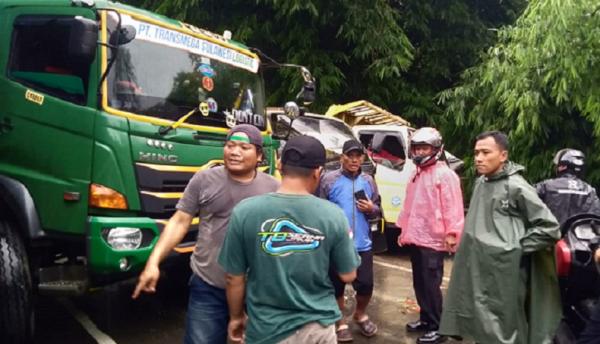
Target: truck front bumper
104	258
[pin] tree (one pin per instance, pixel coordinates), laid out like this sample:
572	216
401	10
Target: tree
540	83
448	36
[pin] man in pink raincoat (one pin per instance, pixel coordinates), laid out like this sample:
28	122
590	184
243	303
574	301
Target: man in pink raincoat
431	220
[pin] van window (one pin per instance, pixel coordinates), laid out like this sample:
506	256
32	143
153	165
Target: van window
366	139
39	57
385	148
392	144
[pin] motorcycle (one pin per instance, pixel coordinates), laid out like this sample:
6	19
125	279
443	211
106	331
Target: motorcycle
579	279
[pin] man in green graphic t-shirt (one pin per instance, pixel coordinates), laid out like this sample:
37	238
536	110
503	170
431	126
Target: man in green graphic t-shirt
277	253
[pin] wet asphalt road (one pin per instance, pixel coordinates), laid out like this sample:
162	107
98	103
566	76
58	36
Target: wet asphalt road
110	316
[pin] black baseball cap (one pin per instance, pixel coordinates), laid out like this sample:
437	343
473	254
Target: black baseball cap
303	151
352	145
252	134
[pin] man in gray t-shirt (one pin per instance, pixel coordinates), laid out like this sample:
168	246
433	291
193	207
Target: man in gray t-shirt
210	194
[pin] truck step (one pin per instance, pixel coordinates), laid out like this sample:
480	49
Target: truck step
63	280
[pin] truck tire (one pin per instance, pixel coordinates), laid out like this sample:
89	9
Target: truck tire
16	313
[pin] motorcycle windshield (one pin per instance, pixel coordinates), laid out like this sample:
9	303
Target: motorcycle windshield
165	73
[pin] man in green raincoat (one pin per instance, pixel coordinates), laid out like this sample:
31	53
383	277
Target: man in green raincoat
504	287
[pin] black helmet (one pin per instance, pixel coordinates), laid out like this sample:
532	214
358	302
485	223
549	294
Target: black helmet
572	159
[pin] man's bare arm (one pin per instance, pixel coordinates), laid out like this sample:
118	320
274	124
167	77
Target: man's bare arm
172	235
348	277
236	290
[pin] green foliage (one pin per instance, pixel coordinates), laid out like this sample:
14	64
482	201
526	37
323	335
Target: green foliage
540	83
449	36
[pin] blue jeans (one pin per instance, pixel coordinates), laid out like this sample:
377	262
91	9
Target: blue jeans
207	314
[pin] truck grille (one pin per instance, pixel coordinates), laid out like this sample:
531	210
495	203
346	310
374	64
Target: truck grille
160	188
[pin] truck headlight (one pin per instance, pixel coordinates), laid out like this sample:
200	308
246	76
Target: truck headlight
124	238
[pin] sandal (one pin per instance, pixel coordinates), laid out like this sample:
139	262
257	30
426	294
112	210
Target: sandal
367	327
343	334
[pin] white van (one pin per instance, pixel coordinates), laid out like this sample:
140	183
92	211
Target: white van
386	137
387	147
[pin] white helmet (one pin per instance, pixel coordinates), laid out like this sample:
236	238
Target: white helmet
426	136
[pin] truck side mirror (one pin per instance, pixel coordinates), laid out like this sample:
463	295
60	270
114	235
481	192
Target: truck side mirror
282	123
83	39
292	110
280	126
125	35
308	93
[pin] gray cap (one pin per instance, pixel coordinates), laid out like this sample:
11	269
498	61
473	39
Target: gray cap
252	133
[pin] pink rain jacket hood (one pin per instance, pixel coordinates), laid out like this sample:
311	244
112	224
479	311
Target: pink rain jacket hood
433	208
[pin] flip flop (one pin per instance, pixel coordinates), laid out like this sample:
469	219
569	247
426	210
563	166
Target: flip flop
367	327
343	334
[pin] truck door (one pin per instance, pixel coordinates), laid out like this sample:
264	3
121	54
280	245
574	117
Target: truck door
48	110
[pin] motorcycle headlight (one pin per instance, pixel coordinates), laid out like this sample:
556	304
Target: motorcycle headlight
585	232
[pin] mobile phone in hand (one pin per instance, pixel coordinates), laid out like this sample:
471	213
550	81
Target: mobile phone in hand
360	194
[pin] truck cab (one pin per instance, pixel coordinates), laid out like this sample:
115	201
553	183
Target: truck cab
107	111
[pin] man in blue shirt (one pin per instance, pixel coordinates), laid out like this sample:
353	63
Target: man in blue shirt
356	193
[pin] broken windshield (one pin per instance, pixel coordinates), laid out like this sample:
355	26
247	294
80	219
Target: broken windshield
331	133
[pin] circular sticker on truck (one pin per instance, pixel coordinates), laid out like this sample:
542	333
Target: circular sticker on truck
212	105
208	83
206	70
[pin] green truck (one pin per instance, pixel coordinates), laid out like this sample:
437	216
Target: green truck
106	111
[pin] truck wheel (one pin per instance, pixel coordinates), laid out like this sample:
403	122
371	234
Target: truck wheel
16	312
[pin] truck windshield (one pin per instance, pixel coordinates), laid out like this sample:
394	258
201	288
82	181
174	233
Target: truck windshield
164	73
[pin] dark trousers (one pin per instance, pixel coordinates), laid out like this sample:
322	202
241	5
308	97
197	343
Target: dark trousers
591	334
428	270
363	284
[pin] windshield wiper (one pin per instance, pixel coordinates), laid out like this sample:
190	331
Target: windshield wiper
165	130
